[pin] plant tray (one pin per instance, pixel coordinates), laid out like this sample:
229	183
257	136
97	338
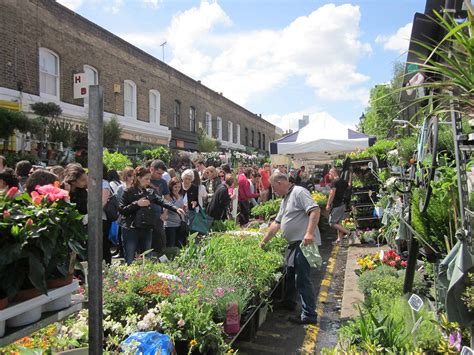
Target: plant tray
27	312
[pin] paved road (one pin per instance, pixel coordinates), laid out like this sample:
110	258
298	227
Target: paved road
278	336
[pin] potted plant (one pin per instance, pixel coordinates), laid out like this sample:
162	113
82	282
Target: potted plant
41	233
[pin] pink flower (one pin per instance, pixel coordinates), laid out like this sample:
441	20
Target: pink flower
52	192
181	323
29	222
6	214
392	263
37	198
219	292
404	263
12	192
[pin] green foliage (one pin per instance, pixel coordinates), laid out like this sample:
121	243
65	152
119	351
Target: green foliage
48	109
206	144
112	133
116	161
13	158
267	209
406	147
224	226
383	108
161	153
468	294
369	279
61	131
11	120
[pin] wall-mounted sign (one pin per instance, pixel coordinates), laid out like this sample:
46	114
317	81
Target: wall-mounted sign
81	89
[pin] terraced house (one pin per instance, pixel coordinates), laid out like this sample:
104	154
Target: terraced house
44	44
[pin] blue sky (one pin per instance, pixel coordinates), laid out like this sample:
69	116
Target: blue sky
280	58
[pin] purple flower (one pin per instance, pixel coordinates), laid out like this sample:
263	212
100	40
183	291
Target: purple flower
455	340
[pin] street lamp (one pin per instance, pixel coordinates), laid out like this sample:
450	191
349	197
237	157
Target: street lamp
163	47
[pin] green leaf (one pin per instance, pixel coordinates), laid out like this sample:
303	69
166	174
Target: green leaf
10	253
36	273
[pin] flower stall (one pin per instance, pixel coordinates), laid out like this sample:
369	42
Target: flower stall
42	233
194	299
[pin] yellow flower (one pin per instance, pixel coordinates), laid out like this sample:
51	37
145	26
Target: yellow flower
230	351
193	343
199	284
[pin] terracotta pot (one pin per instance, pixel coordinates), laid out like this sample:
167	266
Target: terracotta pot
59	282
28	294
3	303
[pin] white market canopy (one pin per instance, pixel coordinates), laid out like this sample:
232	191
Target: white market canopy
321	140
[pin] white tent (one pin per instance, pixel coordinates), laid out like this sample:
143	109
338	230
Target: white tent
322	139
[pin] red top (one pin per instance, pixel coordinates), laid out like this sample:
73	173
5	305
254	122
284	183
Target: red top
244	189
265	179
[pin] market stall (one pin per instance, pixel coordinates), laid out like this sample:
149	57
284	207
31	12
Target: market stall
321	140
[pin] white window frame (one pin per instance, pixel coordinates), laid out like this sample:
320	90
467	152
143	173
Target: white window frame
154	112
237	128
208	124
134	99
230	131
219	128
192	119
56	75
177	114
91	68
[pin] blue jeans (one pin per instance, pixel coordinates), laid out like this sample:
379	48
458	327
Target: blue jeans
298	280
135	240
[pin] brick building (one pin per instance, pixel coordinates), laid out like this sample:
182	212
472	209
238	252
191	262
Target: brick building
44	44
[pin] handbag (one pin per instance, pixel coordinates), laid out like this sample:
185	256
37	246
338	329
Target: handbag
199	221
144	218
183	228
111	208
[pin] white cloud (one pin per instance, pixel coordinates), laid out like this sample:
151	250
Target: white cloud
71	4
323	48
153	4
290	120
398	41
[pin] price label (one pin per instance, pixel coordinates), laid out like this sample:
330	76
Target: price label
466	351
417	324
415	302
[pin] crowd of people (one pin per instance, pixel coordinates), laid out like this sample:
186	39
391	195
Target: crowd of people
155	204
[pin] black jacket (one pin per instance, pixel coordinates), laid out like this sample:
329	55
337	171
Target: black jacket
193	195
220	203
129	206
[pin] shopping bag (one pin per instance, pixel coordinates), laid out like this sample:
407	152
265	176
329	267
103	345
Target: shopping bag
114	232
198	221
311	253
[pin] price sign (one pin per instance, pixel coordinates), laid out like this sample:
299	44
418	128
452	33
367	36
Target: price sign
415	302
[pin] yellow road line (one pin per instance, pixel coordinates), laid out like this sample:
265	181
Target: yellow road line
312	330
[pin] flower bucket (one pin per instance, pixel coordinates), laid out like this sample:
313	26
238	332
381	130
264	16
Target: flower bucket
27	294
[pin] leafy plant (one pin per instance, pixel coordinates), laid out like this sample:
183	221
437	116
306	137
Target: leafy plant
39	231
116	160
468	294
10	121
267	209
161	153
206	144
224	226
112	133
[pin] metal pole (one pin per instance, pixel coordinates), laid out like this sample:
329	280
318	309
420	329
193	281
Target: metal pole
94	209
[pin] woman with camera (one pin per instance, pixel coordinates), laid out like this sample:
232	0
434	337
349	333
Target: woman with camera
137	216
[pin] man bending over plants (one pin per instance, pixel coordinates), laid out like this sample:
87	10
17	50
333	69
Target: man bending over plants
298	219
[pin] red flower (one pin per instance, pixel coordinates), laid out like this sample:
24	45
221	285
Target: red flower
392	263
52	192
37	198
6	214
29	222
404	263
12	192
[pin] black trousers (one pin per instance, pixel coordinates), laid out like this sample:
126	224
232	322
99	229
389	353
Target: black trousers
244	214
158	241
106	254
